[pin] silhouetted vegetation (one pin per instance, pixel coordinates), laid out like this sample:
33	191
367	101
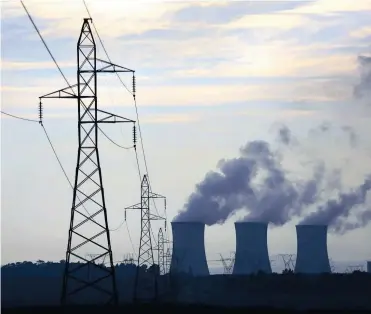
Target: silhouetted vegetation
39	284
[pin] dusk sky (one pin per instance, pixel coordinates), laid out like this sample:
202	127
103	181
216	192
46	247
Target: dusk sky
211	76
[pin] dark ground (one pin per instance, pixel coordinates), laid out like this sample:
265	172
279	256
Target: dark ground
36	288
153	308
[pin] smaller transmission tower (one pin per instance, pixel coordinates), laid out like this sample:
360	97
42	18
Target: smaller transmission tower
161	256
160	251
128	259
228	263
354	268
168	256
288	261
145	254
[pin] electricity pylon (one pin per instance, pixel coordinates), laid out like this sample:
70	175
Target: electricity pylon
228	263
288	261
88	231
145	254
161	257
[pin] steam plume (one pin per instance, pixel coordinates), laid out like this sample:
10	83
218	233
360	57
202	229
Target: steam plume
223	193
335	212
327	127
276	199
363	88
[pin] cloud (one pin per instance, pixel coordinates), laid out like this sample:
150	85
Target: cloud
273	61
225	11
183	95
170	118
325	7
279	21
361	32
115	18
279	114
23	65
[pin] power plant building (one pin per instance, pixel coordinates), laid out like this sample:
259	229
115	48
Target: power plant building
251	248
189	249
312	256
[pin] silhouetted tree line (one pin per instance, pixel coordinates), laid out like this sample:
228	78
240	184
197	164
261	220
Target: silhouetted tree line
56	269
39	283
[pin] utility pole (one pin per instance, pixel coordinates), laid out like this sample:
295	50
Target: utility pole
145	254
88	230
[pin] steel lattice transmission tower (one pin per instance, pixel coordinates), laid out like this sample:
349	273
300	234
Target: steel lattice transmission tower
145	254
88	230
228	263
288	261
161	256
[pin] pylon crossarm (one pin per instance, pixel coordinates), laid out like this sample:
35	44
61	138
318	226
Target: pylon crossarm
108	117
155	195
109	67
156	217
136	206
66	92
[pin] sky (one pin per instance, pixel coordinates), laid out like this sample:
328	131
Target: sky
211	76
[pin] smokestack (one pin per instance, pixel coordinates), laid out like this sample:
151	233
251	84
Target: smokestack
312	257
189	249
251	248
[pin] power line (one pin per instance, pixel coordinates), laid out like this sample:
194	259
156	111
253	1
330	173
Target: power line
56	155
69	85
17	117
137	116
51	145
101	42
131	241
46	46
60	70
136	108
32	120
112	141
65	174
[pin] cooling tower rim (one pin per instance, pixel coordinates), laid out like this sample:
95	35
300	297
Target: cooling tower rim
311	226
252	223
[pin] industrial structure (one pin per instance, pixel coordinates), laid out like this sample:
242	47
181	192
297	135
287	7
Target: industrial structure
145	254
369	266
188	254
288	262
354	268
312	256
88	229
251	248
228	263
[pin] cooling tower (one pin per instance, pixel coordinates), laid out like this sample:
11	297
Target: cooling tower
189	249
251	248
311	256
369	267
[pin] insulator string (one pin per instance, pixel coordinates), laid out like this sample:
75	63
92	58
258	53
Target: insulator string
134	137
40	112
134	86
